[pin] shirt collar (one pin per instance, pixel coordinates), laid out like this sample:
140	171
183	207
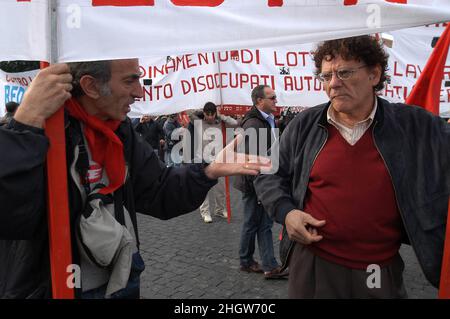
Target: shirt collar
265	115
331	116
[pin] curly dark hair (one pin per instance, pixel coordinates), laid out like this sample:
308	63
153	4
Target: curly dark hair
363	48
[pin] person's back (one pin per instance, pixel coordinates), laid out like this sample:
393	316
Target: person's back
151	132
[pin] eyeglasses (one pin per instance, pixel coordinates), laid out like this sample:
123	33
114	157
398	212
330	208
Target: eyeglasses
343	74
273	98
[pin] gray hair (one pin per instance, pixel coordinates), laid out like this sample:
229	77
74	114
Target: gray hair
100	70
258	93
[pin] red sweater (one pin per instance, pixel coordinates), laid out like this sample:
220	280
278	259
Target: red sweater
351	189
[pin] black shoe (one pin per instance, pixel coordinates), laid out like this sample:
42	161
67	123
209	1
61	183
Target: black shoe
276	273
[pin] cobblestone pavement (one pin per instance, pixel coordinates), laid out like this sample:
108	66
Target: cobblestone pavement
186	258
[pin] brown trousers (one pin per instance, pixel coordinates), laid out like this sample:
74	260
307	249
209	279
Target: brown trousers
313	277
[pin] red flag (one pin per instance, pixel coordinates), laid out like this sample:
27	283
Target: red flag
426	93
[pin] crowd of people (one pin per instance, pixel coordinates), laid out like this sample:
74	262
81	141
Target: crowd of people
356	177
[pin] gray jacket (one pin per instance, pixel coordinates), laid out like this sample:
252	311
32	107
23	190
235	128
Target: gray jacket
415	146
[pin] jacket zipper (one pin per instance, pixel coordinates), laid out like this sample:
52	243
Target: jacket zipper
395	191
284	266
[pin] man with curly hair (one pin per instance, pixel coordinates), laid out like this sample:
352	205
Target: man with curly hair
358	176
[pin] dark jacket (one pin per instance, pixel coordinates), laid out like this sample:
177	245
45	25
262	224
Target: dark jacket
24	257
169	126
415	146
151	132
253	119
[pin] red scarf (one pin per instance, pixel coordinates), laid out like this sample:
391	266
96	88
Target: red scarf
105	146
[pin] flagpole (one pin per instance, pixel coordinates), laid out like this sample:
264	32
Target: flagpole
227	180
444	287
57	192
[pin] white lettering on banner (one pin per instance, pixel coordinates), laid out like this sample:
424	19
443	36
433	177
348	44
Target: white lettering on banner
374	18
74	17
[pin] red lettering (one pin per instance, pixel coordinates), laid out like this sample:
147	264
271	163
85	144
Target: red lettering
304	54
411	69
204	57
121	3
288	83
243	79
275	3
198	3
201	83
388	92
447	71
308	78
254	81
395	69
234	55
189	63
397	89
293	61
276	60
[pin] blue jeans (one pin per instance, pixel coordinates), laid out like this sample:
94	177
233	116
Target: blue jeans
131	291
256	223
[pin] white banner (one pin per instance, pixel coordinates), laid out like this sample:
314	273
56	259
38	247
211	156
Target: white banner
189	81
176	83
407	58
105	29
13	87
24	30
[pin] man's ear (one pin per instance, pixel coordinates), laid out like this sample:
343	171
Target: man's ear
90	87
375	75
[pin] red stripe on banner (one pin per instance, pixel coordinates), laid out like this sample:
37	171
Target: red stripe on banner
427	91
198	3
122	3
235	109
444	287
58	206
398	1
227	179
275	3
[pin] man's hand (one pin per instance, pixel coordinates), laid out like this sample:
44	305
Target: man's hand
228	162
302	227
162	142
46	94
